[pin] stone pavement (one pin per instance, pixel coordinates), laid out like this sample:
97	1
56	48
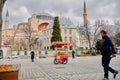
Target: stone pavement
82	68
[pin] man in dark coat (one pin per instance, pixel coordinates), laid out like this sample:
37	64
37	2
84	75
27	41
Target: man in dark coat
32	56
108	51
73	54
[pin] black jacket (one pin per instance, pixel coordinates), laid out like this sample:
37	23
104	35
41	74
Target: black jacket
107	47
32	54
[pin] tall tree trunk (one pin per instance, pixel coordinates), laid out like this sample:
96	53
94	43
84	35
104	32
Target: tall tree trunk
1	7
88	37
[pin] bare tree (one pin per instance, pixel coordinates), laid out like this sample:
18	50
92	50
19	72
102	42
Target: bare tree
89	34
117	39
97	27
117	22
22	44
74	44
29	35
1	7
84	30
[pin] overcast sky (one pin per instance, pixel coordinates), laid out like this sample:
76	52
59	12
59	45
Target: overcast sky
21	10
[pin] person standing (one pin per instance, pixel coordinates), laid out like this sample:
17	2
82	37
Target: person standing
108	52
36	56
32	56
73	54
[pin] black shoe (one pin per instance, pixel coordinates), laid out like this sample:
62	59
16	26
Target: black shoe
115	74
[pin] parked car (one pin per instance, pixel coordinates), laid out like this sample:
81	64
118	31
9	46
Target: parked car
42	56
1	57
12	57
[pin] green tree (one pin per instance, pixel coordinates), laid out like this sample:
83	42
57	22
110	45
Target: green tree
56	34
117	39
98	44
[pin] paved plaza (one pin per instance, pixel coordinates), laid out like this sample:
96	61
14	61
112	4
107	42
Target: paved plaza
80	68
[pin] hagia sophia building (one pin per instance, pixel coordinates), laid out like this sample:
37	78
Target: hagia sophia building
40	26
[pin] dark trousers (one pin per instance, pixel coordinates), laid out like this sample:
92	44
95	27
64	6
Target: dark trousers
73	56
107	68
32	60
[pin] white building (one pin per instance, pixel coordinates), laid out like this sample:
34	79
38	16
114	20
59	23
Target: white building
69	33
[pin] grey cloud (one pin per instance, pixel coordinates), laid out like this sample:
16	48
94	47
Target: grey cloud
96	9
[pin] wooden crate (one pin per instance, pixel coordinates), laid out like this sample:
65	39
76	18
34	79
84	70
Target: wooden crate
12	74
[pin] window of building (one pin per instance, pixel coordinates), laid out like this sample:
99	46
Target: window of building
47	40
44	48
82	42
47	32
50	39
81	48
44	27
65	47
65	39
70	47
44	33
47	48
70	39
51	48
65	31
70	31
51	31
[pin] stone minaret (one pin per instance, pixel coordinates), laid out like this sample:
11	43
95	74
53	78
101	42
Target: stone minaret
85	15
7	20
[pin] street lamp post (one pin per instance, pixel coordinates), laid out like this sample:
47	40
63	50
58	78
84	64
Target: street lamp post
2	2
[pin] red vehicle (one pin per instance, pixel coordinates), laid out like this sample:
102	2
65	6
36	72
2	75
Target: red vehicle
60	56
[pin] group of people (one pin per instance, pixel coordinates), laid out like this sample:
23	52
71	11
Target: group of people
108	52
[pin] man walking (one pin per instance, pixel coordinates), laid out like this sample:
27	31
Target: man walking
32	56
73	54
108	51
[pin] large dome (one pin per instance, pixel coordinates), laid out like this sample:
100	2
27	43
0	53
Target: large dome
64	23
44	15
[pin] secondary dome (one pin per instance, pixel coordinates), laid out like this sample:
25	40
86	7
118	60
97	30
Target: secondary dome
44	15
64	23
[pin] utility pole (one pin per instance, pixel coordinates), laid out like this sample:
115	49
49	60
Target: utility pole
2	2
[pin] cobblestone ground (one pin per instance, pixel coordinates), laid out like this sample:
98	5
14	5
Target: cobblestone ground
82	68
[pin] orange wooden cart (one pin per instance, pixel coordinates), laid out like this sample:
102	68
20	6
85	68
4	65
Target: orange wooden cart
60	56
